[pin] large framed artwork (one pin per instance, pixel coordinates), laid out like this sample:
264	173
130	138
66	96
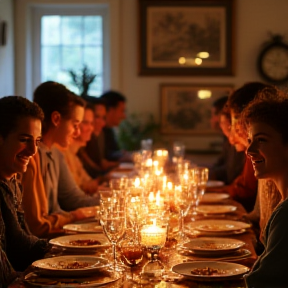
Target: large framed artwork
186	37
185	108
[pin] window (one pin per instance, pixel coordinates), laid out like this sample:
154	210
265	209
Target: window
70	39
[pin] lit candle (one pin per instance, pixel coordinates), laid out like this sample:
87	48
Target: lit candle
152	235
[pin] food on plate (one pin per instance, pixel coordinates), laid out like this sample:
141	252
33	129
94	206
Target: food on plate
216	246
208	271
84	242
68	265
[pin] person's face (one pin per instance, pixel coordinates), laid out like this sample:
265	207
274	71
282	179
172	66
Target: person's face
99	118
268	153
68	128
214	119
19	146
117	114
237	136
86	126
225	125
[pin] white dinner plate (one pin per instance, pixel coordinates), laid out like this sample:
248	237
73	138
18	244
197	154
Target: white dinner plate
91	227
66	266
126	166
213	225
214	197
223	270
118	174
77	241
215	209
213	183
213	246
216	228
99	279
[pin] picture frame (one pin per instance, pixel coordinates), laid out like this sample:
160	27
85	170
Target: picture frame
176	35
186	109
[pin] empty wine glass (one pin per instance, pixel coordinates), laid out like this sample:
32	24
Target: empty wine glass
199	178
178	151
113	222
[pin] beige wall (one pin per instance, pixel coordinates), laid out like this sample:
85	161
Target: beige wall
7	51
253	18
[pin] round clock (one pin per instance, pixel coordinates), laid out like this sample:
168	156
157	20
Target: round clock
273	61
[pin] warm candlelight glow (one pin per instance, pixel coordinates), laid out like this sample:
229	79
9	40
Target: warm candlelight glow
153	235
169	185
137	182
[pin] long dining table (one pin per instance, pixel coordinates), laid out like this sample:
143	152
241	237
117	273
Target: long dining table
170	256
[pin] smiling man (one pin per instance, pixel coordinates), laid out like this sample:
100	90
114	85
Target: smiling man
20	133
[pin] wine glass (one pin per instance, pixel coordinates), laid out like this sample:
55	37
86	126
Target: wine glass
199	178
183	201
178	151
113	222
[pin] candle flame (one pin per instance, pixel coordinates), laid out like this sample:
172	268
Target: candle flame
137	182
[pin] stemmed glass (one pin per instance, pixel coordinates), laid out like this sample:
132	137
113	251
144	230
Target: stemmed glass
183	202
113	222
199	178
178	151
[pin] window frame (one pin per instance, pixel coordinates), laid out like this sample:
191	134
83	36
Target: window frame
38	12
24	57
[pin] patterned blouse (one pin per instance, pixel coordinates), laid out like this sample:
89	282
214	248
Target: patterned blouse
18	247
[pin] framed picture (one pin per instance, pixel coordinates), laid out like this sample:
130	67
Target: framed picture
186	37
186	109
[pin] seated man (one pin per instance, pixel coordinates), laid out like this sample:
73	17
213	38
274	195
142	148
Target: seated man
51	197
115	103
93	154
20	133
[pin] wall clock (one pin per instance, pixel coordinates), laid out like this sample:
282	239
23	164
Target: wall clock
273	61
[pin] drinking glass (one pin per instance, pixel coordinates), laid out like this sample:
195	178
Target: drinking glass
183	202
199	178
113	222
178	151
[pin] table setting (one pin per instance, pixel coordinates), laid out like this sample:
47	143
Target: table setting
153	228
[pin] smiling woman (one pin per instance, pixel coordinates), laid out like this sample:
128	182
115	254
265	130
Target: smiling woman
267	121
20	132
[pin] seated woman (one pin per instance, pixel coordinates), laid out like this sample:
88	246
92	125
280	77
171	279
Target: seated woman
93	154
267	121
20	133
244	188
81	177
49	188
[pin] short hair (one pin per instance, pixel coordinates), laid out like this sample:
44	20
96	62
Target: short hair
94	101
15	108
238	100
270	106
52	96
219	104
112	98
